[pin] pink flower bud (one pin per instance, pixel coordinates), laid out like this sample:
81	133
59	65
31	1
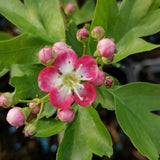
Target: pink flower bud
106	47
109	82
46	56
82	35
70	7
100	79
97	33
30	130
66	115
15	117
60	46
6	100
36	109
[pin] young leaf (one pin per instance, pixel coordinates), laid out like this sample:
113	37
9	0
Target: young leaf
81	137
134	105
40	18
49	127
20	50
24	79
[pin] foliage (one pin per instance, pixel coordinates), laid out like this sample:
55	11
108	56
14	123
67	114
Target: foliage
43	23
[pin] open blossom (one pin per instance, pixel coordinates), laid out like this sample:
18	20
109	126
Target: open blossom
66	80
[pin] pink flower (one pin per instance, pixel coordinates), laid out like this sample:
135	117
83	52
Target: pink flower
106	47
82	35
6	100
109	82
46	56
60	46
70	7
36	109
66	115
97	32
100	79
15	117
69	75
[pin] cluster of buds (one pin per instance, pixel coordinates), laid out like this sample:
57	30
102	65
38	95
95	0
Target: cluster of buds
105	47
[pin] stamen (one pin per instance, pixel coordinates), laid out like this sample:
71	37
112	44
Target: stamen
75	90
66	89
80	85
80	66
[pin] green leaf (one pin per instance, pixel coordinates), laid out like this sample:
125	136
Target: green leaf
81	137
85	13
71	39
135	103
49	127
4	36
20	50
25	80
48	110
40	18
105	98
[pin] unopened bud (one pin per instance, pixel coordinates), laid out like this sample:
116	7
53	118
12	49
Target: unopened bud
60	46
30	130
36	109
109	82
106	47
70	7
6	100
15	117
46	56
82	35
97	33
100	79
66	115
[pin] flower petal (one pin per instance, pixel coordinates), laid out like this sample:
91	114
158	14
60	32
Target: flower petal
61	98
87	68
48	79
100	79
87	93
66	61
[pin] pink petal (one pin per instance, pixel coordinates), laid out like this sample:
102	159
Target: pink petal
48	79
100	79
60	98
88	93
87	68
66	61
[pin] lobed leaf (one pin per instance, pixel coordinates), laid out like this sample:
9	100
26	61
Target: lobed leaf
135	103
